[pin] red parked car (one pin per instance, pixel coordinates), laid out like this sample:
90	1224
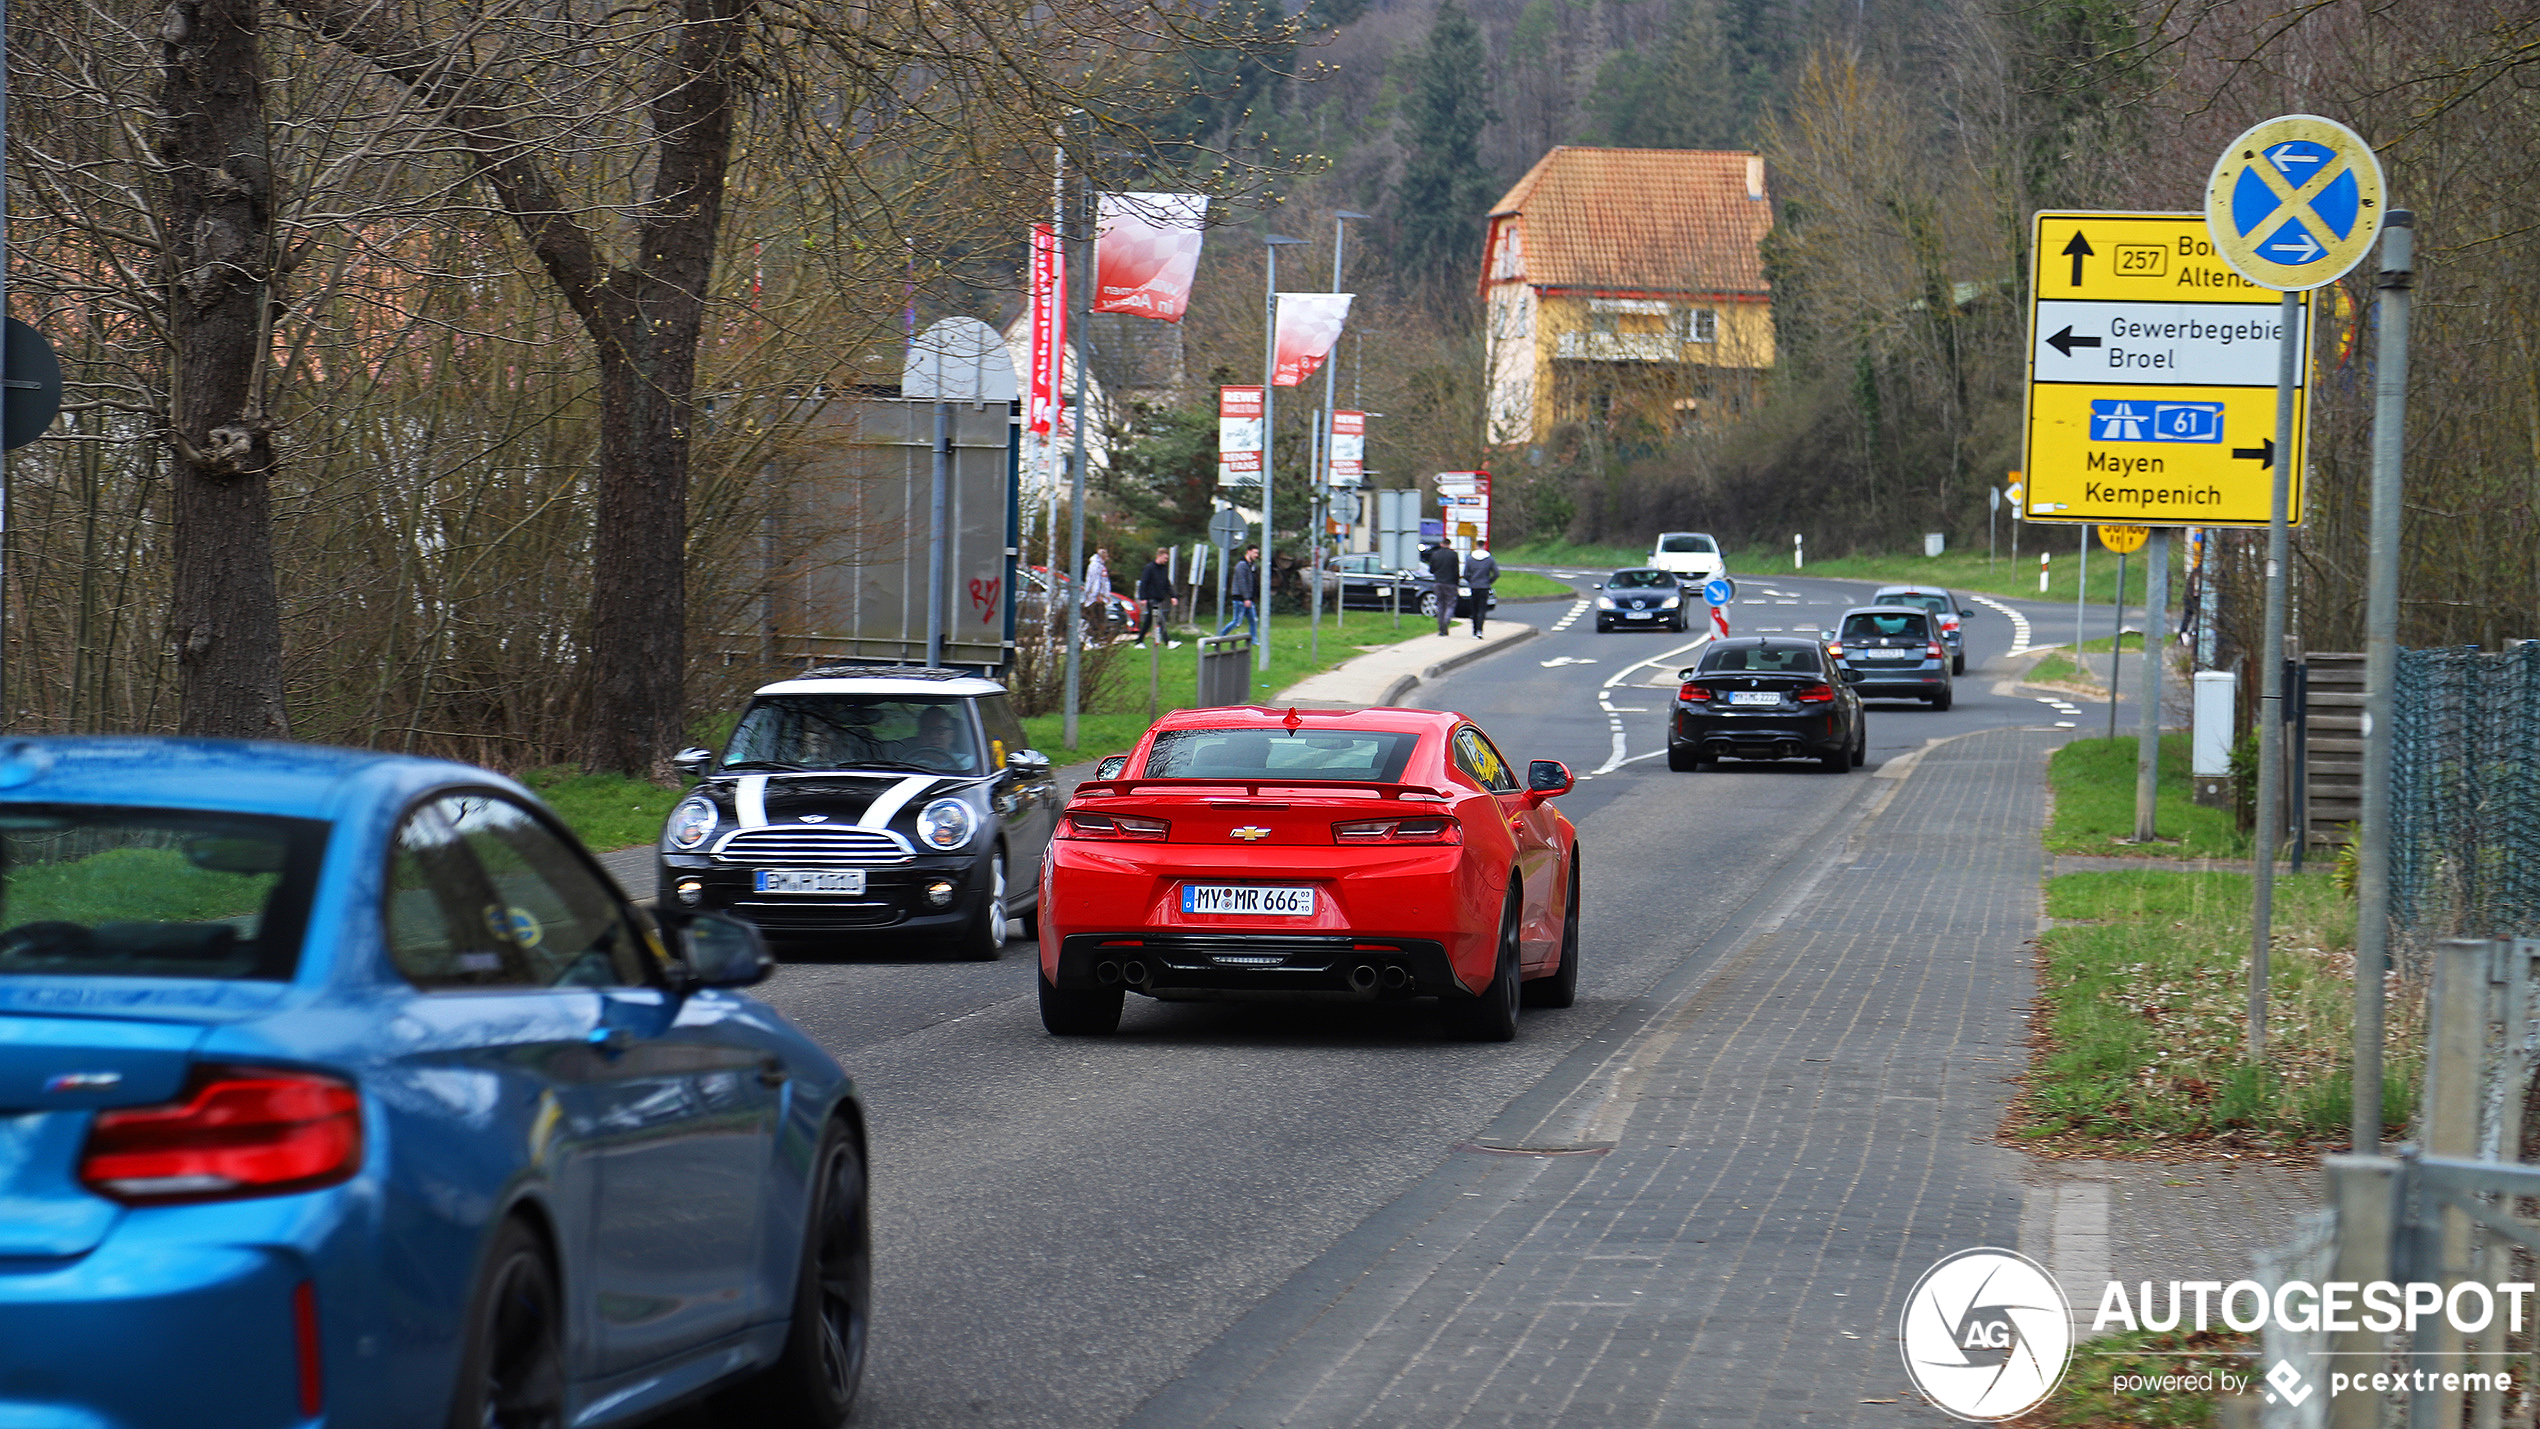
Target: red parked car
1351	854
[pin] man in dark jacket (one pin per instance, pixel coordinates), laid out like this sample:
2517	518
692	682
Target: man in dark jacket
1443	566
1155	593
1480	573
1243	589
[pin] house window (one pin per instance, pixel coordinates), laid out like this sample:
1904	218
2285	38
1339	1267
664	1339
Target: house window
1700	324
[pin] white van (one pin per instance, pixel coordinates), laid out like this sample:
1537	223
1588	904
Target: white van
1693	556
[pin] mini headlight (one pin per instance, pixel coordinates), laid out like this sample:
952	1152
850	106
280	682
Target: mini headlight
947	824
690	823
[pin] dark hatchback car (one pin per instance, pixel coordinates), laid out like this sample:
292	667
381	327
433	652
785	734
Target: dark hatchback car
1894	652
1640	598
1944	608
1766	697
1361	581
854	799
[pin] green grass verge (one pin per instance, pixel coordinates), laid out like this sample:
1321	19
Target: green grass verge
2102	645
2089	1398
2144	996
608	811
1566	553
2093	780
1969	571
1526	585
2059	670
1116	716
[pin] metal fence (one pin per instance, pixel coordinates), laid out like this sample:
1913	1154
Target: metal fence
2465	792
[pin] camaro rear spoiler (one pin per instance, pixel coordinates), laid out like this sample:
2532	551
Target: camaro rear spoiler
1254	789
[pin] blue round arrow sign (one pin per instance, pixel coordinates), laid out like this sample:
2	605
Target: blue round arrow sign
1719	590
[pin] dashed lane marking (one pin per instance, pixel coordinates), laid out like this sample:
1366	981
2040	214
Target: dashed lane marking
2019	622
1614	713
1576	610
1557	661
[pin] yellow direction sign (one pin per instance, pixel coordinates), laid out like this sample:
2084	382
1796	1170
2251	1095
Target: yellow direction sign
2123	540
2295	202
2152	368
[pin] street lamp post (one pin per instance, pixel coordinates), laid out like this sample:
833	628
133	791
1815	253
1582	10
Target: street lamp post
1269	442
1323	441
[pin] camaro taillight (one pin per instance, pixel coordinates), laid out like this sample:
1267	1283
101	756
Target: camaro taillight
1699	694
1424	830
240	1131
1114	826
1815	694
1932	651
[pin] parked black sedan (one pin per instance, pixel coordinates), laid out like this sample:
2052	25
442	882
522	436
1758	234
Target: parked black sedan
879	799
1766	697
1361	581
1641	598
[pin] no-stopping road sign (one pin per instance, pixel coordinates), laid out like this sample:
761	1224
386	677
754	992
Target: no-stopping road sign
2295	202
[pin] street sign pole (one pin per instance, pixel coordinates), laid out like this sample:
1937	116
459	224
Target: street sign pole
2116	651
2270	815
2381	665
2156	621
2081	597
1271	244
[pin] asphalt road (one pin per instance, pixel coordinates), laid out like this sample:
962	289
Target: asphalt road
1062	1226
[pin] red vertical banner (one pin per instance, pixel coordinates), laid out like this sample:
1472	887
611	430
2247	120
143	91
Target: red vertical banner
1146	249
1049	330
1309	326
1349	448
1239	436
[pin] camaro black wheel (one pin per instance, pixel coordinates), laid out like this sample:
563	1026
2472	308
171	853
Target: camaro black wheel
511	1363
1080	1012
812	1385
1682	759
1562	988
1492	1016
983	937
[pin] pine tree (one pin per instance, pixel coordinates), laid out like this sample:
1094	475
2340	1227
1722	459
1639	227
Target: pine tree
1444	190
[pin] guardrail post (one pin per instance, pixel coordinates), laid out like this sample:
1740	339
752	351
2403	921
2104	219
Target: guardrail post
2365	1192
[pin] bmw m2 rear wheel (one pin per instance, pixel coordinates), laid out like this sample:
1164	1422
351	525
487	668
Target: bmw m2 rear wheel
813	1383
1562	988
1080	1011
1682	759
511	1361
1492	1015
983	937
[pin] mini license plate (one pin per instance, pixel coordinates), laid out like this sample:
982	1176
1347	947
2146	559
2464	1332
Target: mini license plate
1280	901
1754	697
810	880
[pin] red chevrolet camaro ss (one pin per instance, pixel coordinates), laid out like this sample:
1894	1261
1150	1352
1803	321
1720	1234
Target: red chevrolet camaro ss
1356	854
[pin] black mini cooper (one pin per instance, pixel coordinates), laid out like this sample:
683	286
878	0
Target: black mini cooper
855	799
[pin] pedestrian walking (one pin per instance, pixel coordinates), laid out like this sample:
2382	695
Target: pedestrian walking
1243	592
1480	574
1156	595
1443	566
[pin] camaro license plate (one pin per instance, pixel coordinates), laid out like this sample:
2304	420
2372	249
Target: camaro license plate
811	880
1281	901
1754	697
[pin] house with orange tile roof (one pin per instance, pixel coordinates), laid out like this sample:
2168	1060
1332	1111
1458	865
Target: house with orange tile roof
1626	285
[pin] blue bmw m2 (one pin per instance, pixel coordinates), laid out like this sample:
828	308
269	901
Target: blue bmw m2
346	1089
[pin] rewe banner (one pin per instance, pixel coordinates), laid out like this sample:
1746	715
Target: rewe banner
1238	436
1349	448
1049	330
1146	247
1309	327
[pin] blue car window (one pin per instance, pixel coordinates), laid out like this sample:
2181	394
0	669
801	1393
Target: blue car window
438	933
569	928
110	891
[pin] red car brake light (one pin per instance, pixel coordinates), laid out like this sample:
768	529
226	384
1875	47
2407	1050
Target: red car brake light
1699	694
1835	648
1932	651
1815	694
1114	826
240	1131
1427	829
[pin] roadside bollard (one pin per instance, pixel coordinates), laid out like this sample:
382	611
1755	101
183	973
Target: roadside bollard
2043	557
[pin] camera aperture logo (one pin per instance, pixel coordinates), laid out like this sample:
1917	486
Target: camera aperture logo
1986	1334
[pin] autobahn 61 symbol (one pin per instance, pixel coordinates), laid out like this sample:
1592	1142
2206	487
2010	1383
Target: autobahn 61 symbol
2295	202
1986	1334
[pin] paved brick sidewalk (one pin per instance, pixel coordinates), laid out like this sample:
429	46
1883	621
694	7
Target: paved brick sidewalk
1791	1148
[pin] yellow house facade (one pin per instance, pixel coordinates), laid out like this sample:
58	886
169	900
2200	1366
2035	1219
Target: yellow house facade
1626	286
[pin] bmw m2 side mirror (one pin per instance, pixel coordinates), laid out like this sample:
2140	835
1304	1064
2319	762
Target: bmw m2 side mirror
693	761
1548	779
723	951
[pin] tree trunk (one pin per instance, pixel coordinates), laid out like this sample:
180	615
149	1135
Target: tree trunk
223	615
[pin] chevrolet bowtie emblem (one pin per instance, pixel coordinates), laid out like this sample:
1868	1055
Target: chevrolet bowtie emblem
1252	833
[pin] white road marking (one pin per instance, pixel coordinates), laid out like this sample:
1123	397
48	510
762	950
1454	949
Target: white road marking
1627	709
1557	661
2019	622
1575	611
2063	724
1614	713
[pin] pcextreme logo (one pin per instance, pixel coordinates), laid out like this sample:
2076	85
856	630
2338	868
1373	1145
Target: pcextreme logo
1986	1334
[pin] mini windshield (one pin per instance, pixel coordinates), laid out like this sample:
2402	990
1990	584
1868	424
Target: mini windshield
1687	544
1372	756
782	732
1641	580
1887	625
106	891
1767	659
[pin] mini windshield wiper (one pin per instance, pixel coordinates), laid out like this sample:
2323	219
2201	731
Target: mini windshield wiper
762	764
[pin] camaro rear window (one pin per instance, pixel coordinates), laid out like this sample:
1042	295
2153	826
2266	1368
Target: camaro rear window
1883	626
1773	659
92	890
1371	756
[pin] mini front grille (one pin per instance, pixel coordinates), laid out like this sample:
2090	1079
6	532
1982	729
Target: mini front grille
812	847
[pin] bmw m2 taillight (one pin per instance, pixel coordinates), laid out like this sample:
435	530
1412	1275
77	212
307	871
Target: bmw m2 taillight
1428	829
1815	694
237	1131
1698	694
1113	826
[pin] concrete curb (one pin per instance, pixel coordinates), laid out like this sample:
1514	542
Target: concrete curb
1394	692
